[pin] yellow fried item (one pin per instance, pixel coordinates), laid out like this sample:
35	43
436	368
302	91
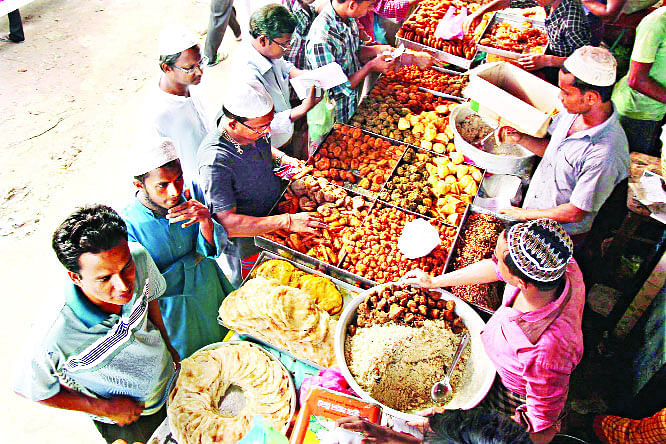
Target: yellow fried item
326	295
276	269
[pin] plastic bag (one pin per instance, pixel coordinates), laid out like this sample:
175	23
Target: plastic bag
450	27
321	118
263	433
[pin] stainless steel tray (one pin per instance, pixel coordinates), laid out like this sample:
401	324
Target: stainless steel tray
513	20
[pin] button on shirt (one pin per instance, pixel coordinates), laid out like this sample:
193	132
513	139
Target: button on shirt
581	169
334	39
101	354
535	352
185	120
273	74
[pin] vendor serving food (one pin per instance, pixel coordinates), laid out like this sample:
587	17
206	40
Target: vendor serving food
236	173
535	338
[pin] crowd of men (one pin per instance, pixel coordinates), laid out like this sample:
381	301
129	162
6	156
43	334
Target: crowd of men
144	286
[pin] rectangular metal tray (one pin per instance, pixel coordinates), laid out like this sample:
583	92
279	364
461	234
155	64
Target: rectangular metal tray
513	20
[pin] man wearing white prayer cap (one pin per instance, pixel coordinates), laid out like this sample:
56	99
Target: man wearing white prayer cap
236	173
176	106
586	153
177	229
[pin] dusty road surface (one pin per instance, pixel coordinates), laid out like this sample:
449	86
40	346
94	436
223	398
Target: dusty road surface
69	98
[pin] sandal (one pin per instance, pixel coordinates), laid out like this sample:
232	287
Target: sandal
8	39
221	56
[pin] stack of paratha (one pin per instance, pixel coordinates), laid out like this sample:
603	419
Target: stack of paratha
204	378
284	316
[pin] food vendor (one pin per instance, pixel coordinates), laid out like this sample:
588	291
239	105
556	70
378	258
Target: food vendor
177	107
105	351
586	155
177	229
640	96
271	27
236	174
535	338
334	37
566	26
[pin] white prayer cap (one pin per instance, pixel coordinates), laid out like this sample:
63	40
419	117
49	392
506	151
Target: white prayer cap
175	38
593	65
153	153
249	100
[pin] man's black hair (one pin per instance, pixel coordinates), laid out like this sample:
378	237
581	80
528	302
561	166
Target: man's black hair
231	116
89	229
476	426
170	60
514	270
605	92
172	165
273	21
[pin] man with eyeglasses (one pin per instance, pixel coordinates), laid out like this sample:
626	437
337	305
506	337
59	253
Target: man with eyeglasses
271	27
177	107
236	173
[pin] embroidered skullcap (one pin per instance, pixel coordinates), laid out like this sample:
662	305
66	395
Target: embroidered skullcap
153	153
593	65
540	248
248	99
175	38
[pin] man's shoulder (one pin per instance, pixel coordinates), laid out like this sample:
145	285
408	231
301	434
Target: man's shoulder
213	149
322	25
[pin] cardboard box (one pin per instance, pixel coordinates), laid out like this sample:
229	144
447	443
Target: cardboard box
511	96
315	423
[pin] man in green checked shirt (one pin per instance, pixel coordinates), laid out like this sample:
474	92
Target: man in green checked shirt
334	37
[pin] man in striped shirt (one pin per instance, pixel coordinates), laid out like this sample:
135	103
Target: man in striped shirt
105	351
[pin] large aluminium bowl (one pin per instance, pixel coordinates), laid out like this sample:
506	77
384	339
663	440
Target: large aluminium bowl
492	163
466	397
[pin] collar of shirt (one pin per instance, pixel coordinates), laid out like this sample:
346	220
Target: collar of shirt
85	310
254	57
534	323
330	11
596	133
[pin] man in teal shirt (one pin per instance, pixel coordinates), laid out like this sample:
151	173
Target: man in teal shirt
105	351
178	232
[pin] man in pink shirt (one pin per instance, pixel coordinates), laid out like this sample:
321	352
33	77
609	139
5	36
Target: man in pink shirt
535	338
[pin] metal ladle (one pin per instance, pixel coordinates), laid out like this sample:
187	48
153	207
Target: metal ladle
443	387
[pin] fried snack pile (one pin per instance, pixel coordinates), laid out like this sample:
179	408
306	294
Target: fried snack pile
284	316
322	290
348	148
372	250
205	377
409	306
432	185
524	40
333	204
430	79
477	242
421	26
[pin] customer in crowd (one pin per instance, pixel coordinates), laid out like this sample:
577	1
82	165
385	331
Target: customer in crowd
612	429
271	28
15	28
177	229
334	37
586	155
476	426
566	26
105	351
640	96
177	107
304	13
534	338
222	14
236	173
390	9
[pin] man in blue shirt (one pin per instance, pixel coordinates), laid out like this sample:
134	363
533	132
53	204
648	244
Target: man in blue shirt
180	235
106	351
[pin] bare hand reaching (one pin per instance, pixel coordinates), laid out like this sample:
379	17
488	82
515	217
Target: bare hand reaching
418	277
305	223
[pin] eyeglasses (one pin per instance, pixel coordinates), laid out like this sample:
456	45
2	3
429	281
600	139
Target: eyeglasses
262	130
191	70
286	46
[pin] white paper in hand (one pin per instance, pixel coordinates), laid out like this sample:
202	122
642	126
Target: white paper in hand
418	238
326	77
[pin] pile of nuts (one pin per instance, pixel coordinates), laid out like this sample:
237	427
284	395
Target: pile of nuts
405	306
477	242
340	210
430	79
432	185
421	26
525	39
372	249
348	148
